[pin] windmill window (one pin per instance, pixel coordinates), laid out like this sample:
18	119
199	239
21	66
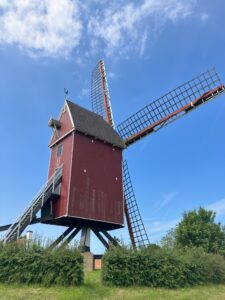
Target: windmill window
59	150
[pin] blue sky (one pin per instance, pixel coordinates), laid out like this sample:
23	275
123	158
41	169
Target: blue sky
149	47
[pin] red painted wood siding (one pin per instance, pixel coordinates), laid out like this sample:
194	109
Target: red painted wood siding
60	205
96	181
92	177
66	125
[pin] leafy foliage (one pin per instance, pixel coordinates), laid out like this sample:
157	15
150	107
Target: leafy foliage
33	264
198	229
168	241
161	267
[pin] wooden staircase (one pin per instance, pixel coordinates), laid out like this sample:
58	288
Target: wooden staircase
51	190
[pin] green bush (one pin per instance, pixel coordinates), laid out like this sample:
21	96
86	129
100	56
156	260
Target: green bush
34	264
161	267
211	267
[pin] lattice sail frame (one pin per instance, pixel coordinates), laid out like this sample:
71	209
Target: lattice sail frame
138	235
171	106
100	97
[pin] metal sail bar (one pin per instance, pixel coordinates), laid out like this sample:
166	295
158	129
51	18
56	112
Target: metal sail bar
137	232
171	106
100	98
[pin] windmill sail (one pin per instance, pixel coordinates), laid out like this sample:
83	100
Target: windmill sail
100	98
138	235
171	106
102	106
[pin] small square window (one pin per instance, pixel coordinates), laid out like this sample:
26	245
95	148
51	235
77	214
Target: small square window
59	150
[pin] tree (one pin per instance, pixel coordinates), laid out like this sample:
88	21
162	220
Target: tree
168	241
199	229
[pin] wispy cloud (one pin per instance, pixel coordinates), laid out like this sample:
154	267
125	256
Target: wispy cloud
218	207
159	226
57	28
167	198
45	27
142	43
111	75
123	26
156	229
84	92
204	17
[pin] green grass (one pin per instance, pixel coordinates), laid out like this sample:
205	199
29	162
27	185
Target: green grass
93	289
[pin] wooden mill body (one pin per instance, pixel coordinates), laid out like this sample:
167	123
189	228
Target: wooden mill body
90	153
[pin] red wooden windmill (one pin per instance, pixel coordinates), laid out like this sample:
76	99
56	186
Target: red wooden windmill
89	186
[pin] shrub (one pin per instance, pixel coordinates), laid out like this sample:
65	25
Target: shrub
211	267
161	268
34	264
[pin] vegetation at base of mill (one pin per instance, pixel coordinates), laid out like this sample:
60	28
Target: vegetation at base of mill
162	267
34	264
197	229
94	289
191	254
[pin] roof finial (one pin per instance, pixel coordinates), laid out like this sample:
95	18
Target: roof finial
66	92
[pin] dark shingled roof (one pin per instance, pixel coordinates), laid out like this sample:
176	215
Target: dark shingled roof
92	124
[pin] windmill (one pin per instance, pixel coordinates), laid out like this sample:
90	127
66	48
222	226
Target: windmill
89	186
146	121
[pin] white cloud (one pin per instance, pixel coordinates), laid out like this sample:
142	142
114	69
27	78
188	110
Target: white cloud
44	27
84	92
160	226
156	229
218	207
142	43
167	198
204	17
111	75
121	27
57	28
